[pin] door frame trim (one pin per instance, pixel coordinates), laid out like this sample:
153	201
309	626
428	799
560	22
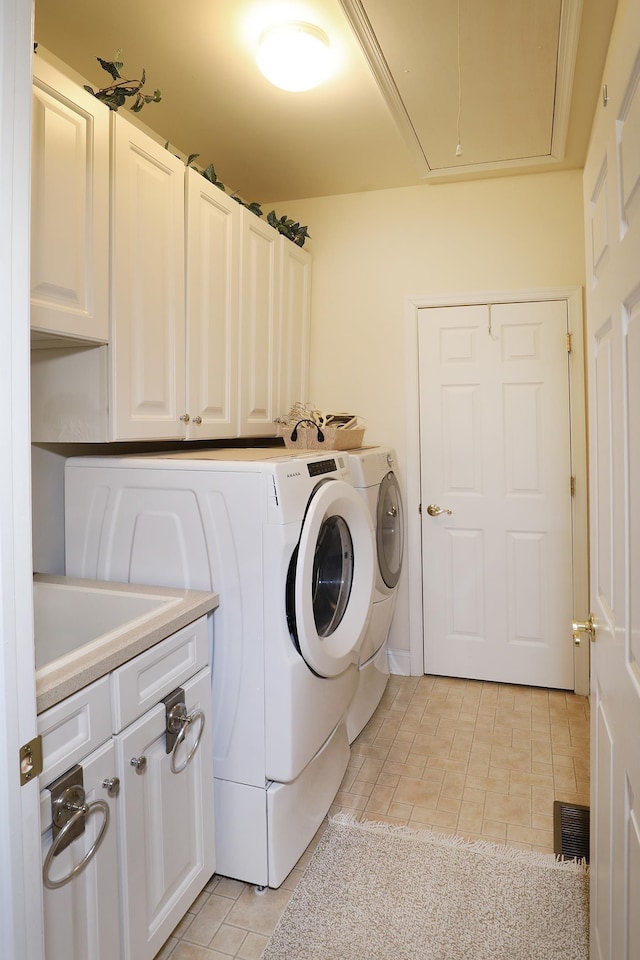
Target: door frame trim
21	919
577	400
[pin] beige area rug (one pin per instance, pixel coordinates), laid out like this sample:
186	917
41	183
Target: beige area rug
378	892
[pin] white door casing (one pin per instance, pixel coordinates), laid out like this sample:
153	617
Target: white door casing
506	306
612	231
20	884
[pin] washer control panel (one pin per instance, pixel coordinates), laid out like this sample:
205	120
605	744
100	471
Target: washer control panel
319	467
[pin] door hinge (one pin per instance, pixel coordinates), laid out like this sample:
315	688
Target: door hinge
30	760
569	347
572	484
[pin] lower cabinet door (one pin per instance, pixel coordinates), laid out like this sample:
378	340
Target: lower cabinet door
82	917
166	828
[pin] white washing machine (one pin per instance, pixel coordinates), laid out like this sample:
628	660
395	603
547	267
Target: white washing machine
288	544
372	474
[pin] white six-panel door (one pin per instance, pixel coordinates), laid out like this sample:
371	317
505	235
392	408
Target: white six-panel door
612	233
495	451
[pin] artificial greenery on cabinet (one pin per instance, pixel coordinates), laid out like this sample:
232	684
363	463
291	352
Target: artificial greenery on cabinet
117	93
115	96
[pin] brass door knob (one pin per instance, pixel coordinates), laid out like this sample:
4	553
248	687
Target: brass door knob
434	510
584	626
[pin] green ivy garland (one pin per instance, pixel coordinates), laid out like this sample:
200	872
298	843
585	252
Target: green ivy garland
115	95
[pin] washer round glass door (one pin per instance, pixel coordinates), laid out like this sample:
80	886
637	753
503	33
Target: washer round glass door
390	530
332	574
333	578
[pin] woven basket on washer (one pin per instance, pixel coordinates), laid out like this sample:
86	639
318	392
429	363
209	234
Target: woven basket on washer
334	438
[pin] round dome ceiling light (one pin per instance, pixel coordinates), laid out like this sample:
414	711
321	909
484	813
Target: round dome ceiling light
294	56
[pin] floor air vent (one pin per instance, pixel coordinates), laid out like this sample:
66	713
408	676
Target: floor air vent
571	831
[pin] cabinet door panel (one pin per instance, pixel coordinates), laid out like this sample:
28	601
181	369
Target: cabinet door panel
166	837
148	326
82	918
258	306
295	316
69	209
213	251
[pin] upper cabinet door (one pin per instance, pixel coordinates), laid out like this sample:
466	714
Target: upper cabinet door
147	294
295	317
259	275
212	277
69	209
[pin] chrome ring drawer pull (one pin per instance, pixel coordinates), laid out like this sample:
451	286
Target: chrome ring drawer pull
186	722
84	810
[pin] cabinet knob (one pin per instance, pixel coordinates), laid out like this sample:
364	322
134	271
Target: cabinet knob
185	418
139	763
112	785
197	420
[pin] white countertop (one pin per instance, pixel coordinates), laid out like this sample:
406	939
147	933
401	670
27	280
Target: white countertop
53	685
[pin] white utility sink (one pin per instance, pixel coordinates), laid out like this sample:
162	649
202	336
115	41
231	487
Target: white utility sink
70	616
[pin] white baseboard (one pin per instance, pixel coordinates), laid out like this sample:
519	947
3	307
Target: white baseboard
399	662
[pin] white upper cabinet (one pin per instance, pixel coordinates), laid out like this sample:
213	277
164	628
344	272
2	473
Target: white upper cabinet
212	277
259	277
168	310
293	340
69	209
147	305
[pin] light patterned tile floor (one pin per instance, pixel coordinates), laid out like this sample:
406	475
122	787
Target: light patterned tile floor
480	760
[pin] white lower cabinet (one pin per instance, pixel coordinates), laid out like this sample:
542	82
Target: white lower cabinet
80	916
166	821
140	740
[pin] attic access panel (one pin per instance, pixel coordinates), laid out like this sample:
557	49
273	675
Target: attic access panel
516	69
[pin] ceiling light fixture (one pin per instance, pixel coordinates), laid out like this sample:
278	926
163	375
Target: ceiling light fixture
294	56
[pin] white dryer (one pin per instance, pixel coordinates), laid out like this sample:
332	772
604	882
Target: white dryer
372	474
288	544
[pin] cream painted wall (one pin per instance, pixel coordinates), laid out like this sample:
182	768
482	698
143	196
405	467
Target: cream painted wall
371	251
